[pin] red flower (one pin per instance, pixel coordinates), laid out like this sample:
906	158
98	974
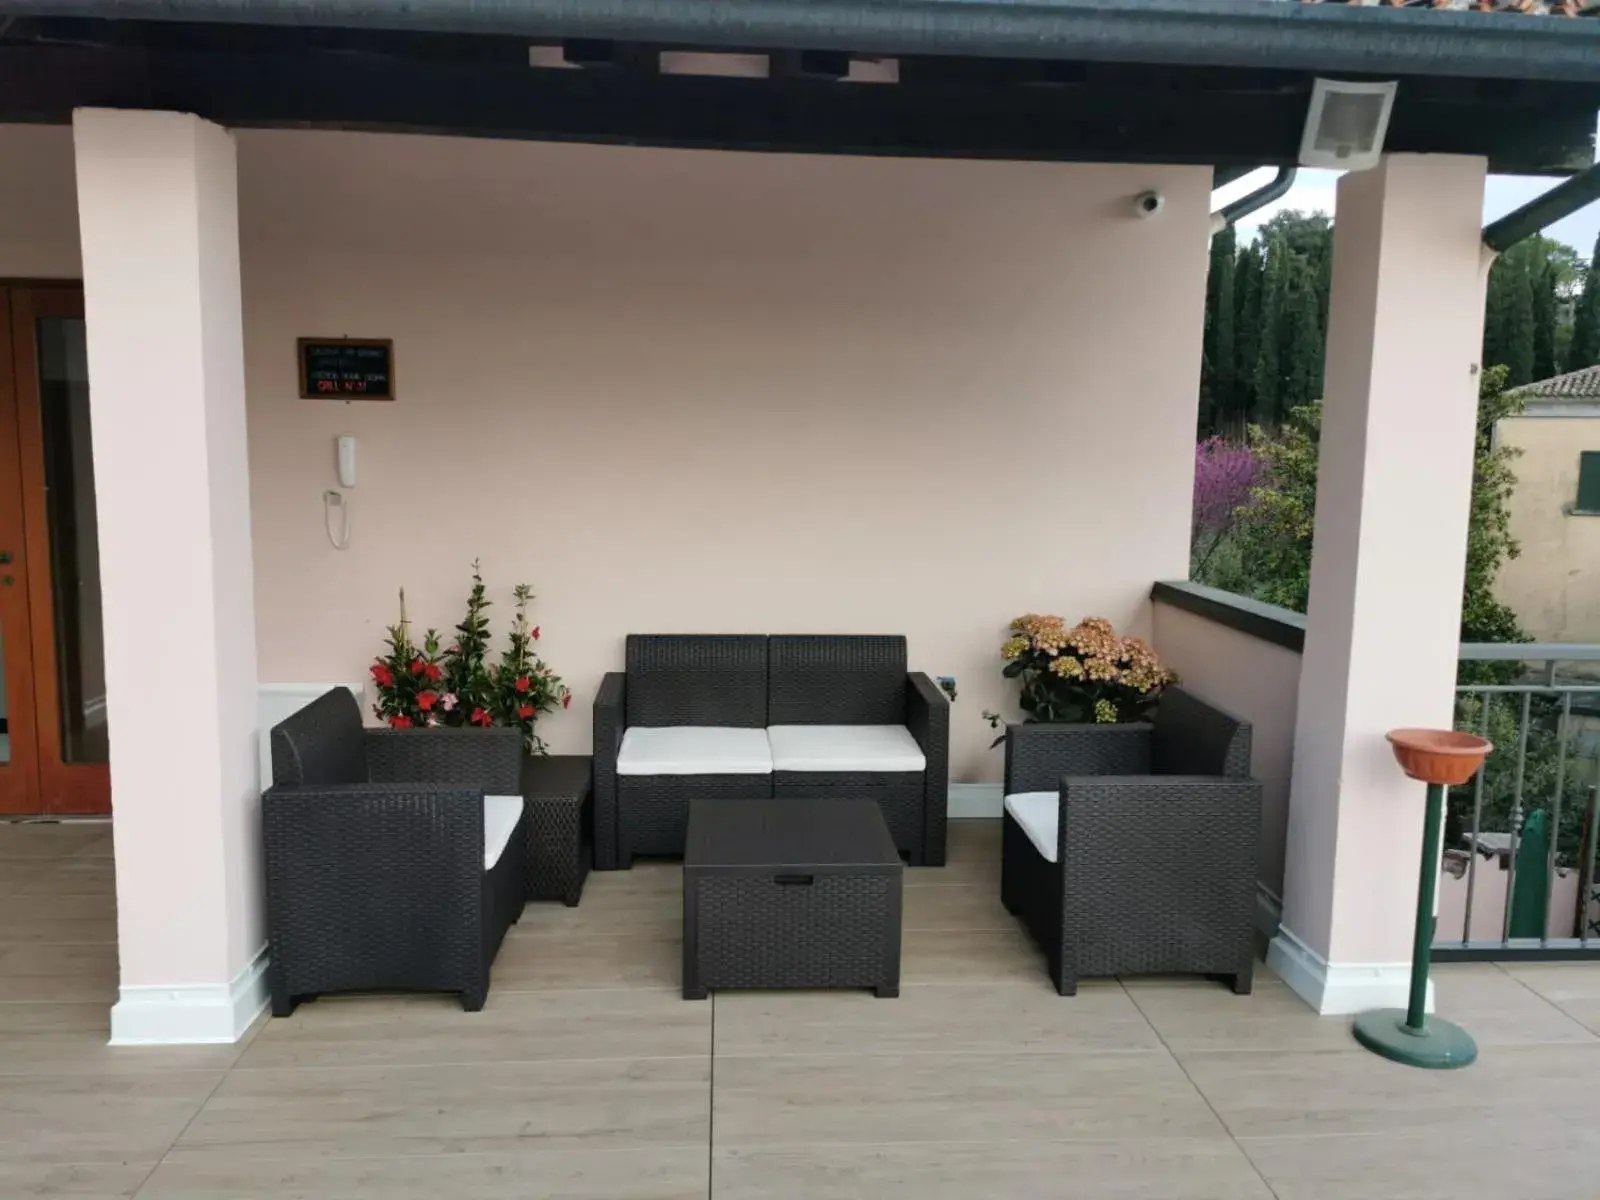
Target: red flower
525	711
432	671
381	674
416	666
523	683
535	634
426	700
480	717
400	721
566	700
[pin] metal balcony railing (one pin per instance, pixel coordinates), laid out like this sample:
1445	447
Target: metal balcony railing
1518	879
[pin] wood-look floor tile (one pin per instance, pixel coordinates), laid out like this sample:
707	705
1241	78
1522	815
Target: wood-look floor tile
31	841
804	1100
1560	982
535	961
986	956
374	1111
584	1174
1352	1091
80	1181
1169	1168
1514	1159
66	1117
52	877
955	907
98	930
989	1018
513	1027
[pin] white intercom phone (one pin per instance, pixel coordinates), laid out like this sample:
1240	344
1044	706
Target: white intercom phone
335	500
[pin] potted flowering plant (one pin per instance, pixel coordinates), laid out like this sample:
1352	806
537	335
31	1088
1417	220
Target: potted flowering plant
468	693
523	686
407	677
1085	673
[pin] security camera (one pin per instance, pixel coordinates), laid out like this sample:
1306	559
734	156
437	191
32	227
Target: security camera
1148	204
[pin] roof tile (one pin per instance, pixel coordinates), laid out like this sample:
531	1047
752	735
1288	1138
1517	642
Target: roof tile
1574	385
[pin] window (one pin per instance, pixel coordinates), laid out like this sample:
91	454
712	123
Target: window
1588	482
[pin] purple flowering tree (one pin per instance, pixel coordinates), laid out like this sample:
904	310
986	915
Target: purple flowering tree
1224	474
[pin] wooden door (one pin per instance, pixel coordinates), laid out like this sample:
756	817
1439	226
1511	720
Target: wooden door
58	553
19	758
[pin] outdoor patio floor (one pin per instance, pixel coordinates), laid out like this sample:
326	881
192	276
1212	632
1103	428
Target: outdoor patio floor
586	1075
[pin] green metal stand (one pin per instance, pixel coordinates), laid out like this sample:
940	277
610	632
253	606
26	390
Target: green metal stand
1411	1036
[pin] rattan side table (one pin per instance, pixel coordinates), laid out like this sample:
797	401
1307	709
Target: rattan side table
559	822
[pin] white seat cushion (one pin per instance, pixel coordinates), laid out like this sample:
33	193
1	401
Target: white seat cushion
1039	814
854	748
500	815
694	750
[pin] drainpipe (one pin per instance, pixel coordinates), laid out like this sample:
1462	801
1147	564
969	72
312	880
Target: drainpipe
1543	211
1260	198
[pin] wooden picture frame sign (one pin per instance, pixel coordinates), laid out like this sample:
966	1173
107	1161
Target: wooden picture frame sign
345	368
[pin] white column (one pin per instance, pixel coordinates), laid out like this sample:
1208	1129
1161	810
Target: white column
158	216
1393	491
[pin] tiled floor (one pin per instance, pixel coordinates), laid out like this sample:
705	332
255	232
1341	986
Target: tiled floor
586	1076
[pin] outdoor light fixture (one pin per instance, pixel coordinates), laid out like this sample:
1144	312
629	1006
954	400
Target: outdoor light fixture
1346	124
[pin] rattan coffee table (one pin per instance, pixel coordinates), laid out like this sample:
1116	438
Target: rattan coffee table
790	893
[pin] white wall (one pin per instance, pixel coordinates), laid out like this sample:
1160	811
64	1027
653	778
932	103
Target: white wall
701	391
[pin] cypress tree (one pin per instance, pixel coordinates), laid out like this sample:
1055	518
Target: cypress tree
1302	338
1584	350
1274	302
1544	319
1518	328
1247	331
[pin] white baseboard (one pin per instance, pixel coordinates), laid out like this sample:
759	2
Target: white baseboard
187	1014
975	801
1338	989
275	701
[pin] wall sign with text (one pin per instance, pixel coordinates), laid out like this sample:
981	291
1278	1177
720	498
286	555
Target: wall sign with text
346	368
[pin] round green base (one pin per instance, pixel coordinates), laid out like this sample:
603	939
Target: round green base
1439	1045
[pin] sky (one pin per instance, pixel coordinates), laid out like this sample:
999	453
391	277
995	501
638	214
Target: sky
1314	191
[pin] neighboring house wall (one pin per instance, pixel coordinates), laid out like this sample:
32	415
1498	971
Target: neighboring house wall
696	391
1554	585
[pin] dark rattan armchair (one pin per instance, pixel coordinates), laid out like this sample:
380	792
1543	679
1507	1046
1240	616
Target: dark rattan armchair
379	871
1131	849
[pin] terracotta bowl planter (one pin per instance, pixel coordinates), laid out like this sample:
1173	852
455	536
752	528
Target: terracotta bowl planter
1439	755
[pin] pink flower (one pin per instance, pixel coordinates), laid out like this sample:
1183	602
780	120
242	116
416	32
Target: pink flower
448	700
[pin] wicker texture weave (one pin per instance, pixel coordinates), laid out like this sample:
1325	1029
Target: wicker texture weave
837	679
899	795
653	810
610	722
1154	873
559	822
928	719
777	895
381	885
697	679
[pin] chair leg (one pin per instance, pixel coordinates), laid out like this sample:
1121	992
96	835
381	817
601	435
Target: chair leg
1244	980
283	1004
1066	985
473	998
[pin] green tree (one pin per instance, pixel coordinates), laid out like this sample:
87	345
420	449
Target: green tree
1545	320
1247	331
1584	349
1304	338
1274	540
1217	372
1508	324
1268	376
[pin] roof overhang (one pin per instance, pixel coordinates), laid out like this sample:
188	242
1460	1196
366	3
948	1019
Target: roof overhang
1216	82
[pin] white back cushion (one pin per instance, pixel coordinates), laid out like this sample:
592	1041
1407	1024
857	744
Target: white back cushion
500	815
875	748
694	750
1039	814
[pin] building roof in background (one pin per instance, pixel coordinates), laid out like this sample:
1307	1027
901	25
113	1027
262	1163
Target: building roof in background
1574	385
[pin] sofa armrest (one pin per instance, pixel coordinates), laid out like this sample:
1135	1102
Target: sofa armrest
1037	756
928	719
490	759
1205	829
610	717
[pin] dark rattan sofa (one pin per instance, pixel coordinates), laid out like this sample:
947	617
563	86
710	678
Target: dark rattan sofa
748	716
1131	849
393	857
